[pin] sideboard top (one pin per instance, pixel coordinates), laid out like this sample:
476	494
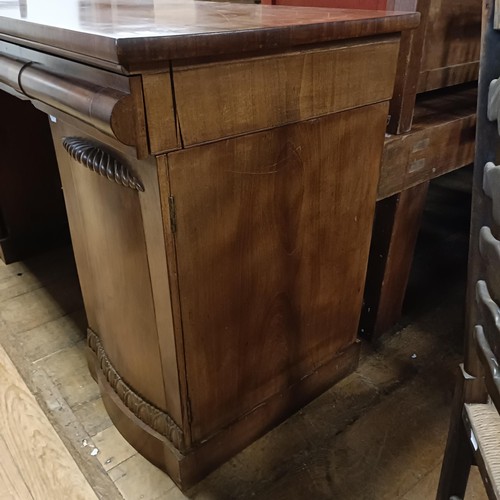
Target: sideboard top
135	34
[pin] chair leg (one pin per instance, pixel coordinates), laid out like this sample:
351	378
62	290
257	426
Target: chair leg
458	455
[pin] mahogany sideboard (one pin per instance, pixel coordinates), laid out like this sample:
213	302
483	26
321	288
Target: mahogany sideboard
219	165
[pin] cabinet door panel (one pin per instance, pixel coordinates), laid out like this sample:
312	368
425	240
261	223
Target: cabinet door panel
272	240
108	229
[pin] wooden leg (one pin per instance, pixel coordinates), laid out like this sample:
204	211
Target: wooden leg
395	231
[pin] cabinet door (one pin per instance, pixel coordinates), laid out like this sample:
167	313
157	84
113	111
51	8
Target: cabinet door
118	243
272	239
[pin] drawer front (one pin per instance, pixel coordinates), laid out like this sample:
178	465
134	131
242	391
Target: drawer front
452	44
113	104
229	98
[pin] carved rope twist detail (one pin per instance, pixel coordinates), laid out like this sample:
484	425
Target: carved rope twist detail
155	418
101	162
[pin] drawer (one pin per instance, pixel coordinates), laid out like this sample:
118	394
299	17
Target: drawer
109	102
229	98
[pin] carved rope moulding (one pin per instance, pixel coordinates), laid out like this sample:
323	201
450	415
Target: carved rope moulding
100	161
155	418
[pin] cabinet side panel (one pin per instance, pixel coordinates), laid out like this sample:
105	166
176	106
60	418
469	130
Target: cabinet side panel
108	236
273	231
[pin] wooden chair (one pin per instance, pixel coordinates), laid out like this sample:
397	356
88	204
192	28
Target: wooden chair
474	435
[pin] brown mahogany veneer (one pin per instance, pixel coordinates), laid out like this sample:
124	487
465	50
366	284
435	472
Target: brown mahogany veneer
221	226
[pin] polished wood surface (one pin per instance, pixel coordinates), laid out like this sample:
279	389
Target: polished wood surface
222	252
111	249
398	5
443	51
313	85
149	34
263	192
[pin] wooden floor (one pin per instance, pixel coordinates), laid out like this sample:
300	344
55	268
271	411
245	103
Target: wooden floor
377	435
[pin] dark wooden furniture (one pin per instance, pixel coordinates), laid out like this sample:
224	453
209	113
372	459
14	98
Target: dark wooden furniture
448	42
32	215
474	435
221	228
443	52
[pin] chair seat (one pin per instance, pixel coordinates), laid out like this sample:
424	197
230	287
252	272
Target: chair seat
482	421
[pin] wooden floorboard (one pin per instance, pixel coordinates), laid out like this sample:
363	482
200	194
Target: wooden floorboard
34	463
377	435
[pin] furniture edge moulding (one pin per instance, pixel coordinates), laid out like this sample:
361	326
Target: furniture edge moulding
114	112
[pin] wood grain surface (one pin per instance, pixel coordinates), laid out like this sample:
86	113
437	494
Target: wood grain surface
442	139
452	43
149	34
111	252
259	238
244	95
34	463
395	231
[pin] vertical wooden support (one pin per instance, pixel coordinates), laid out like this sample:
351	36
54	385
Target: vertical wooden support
409	62
395	231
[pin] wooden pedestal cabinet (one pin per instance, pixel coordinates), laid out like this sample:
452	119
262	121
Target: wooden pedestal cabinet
221	229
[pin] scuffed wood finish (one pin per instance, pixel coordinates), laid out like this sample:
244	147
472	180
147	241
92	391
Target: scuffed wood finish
315	83
160	113
223	290
258	243
408	72
150	34
452	44
442	139
443	51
